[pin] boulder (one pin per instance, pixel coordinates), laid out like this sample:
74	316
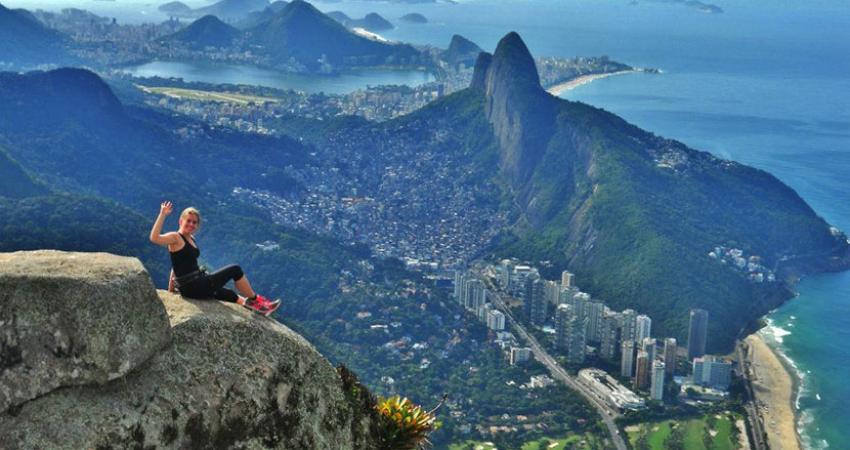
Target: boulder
70	319
230	379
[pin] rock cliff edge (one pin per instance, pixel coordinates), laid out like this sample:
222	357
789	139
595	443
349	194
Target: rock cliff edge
190	374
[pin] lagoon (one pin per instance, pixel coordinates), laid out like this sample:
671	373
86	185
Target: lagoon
343	83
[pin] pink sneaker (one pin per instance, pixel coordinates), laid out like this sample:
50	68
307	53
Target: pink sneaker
262	305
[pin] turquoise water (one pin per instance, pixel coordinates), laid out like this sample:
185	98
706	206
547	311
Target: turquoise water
239	74
765	83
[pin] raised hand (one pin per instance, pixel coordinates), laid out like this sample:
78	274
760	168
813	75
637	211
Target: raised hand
165	208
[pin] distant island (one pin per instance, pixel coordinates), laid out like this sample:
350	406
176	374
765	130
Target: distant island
706	8
413	18
175	8
371	22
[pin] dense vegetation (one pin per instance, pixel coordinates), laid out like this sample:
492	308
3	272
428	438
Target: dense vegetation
302	32
638	235
208	31
635	215
26	42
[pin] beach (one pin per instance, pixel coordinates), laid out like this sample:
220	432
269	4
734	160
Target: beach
584	79
774	388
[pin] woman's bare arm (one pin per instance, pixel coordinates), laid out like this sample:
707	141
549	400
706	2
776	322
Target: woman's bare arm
156	237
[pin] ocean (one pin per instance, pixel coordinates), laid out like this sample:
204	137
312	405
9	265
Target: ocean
763	83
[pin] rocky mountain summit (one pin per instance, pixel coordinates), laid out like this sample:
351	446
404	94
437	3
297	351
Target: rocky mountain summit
92	356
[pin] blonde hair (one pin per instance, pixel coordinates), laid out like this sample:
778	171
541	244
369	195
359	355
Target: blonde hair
191	210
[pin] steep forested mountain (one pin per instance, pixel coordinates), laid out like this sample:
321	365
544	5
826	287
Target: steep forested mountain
461	50
26	42
636	215
633	214
232	9
67	128
208	31
14	181
256	17
302	32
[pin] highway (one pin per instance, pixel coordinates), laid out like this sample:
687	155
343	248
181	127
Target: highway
558	373
757	437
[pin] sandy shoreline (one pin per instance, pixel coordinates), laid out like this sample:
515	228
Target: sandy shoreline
773	385
584	79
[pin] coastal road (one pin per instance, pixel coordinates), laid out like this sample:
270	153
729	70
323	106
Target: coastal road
757	436
608	414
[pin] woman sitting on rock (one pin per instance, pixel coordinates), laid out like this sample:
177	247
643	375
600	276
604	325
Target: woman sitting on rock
190	279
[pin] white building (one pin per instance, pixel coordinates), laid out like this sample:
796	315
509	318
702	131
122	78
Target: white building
607	388
713	372
656	389
566	278
495	320
520	354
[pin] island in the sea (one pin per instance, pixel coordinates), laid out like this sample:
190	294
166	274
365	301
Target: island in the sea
414	18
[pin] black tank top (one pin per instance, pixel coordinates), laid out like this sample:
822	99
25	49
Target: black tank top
185	260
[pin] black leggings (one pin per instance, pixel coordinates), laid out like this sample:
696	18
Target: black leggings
212	285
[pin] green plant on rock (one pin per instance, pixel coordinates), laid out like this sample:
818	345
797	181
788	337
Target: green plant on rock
403	425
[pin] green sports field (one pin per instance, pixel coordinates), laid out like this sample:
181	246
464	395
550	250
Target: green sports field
562	443
717	430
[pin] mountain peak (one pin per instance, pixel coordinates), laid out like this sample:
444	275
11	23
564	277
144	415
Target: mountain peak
479	74
513	61
57	95
461	51
208	31
521	112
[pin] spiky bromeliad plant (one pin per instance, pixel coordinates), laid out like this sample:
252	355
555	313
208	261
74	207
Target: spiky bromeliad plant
403	425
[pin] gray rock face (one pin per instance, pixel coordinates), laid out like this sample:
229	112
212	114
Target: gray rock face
521	112
230	379
70	319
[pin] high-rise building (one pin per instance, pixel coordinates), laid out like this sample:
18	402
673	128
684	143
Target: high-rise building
563	313
476	294
565	295
595	314
697	333
520	354
519	277
627	359
505	276
553	292
610	337
577	339
656	390
496	320
642	370
460	278
670	357
566	279
643	327
580	301
712	371
627	325
648	345
483	310
534	304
